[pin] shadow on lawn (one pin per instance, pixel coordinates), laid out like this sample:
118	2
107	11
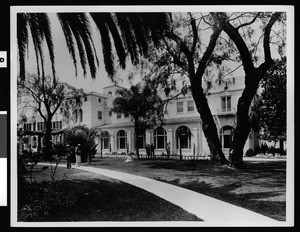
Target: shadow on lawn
275	170
254	201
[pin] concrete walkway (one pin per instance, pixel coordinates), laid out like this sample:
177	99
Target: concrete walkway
211	210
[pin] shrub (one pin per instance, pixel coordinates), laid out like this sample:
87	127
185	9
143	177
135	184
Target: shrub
264	148
271	150
250	152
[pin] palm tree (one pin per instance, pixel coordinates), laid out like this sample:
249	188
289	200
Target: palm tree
85	136
131	34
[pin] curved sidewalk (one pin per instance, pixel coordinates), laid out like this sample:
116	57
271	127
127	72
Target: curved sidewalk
211	210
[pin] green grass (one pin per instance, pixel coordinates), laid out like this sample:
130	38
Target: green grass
83	196
260	186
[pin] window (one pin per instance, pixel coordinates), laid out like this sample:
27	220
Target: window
121	139
42	125
190	106
226	103
80	115
105	140
110	113
27	126
126	115
141	140
75	115
100	115
119	115
179	107
60	124
85	98
61	110
226	135
183	137
34	142
99	99
34	126
109	93
160	138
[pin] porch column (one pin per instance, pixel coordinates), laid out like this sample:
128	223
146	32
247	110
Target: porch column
170	140
112	142
130	141
195	142
148	137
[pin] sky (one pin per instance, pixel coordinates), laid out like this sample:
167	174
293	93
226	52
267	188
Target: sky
65	68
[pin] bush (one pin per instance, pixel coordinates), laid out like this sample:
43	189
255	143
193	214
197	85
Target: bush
271	150
264	148
250	152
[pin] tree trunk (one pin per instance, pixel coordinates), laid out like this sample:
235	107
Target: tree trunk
180	149
281	146
136	139
208	124
48	142
243	125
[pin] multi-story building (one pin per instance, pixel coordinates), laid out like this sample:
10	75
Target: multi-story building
181	128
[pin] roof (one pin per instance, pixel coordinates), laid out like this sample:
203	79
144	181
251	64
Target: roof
182	120
98	94
119	125
113	86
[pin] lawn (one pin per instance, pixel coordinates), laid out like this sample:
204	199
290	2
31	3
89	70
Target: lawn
83	196
260	187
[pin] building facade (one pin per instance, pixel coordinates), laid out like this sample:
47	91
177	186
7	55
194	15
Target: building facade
181	127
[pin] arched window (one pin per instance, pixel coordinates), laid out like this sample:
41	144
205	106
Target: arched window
105	140
75	115
226	135
121	139
183	137
160	138
80	115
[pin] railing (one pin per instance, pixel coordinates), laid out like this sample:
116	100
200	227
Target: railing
226	111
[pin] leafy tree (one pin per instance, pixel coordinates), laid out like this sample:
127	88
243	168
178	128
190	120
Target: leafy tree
270	109
254	72
86	137
232	43
131	33
143	104
46	96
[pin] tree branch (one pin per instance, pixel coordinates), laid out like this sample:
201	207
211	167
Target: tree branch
210	48
267	50
195	35
241	46
250	22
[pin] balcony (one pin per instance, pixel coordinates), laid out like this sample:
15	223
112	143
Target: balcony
226	111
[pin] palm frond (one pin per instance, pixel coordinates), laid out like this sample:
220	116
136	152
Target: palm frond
128	36
139	32
22	37
106	43
37	41
109	20
69	38
45	28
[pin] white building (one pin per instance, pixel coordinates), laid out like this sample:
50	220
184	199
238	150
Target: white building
181	128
